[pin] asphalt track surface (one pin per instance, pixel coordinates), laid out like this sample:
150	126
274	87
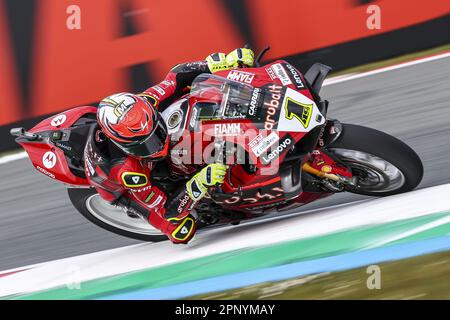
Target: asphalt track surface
38	222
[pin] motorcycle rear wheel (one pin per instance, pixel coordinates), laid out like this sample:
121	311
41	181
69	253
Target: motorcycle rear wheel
383	164
89	203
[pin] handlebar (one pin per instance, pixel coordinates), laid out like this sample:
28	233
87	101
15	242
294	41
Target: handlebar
22	133
260	55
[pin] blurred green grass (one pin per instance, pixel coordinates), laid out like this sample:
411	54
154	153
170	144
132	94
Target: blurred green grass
423	277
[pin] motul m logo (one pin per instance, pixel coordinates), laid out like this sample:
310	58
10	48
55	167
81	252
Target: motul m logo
58	120
49	159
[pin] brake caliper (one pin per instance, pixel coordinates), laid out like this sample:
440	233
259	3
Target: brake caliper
333	176
323	163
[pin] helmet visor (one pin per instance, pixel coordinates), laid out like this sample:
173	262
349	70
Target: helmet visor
151	145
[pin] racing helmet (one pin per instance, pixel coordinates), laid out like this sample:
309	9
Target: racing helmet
134	126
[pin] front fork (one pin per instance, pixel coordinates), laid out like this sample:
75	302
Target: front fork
332	174
321	174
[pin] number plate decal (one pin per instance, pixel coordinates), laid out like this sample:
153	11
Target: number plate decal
298	113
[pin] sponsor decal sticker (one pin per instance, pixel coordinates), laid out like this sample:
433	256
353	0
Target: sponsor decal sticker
134	179
159	90
271	73
301	111
295	76
58	120
227	129
49	159
281	74
121	103
298	113
256	140
259	145
254	102
271	194
183	203
193	120
166	84
241	76
42	170
178	152
63	146
121	109
272	106
141	189
192	65
285	143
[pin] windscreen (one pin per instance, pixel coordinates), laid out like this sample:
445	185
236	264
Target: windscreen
225	98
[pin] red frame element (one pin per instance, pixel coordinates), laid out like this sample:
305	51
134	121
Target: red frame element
37	150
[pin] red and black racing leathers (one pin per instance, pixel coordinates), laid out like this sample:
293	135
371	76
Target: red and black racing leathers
125	181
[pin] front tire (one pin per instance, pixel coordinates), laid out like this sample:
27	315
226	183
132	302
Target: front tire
84	200
383	164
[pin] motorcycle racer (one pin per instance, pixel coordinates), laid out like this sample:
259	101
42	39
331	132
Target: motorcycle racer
121	152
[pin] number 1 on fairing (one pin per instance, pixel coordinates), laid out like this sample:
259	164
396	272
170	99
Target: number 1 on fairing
298	110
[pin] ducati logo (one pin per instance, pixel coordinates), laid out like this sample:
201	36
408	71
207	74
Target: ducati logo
49	159
58	120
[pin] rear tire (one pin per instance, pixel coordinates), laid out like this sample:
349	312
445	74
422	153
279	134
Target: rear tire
381	145
79	198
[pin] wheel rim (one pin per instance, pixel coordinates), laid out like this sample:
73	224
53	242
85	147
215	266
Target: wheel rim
117	218
375	174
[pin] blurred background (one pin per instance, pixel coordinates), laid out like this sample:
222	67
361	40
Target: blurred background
58	54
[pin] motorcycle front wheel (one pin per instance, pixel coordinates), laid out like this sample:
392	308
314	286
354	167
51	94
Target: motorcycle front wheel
381	164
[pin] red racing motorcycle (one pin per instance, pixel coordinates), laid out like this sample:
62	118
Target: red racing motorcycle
268	123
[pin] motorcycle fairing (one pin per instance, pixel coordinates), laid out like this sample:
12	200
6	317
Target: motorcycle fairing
298	113
58	152
274	115
295	117
225	108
